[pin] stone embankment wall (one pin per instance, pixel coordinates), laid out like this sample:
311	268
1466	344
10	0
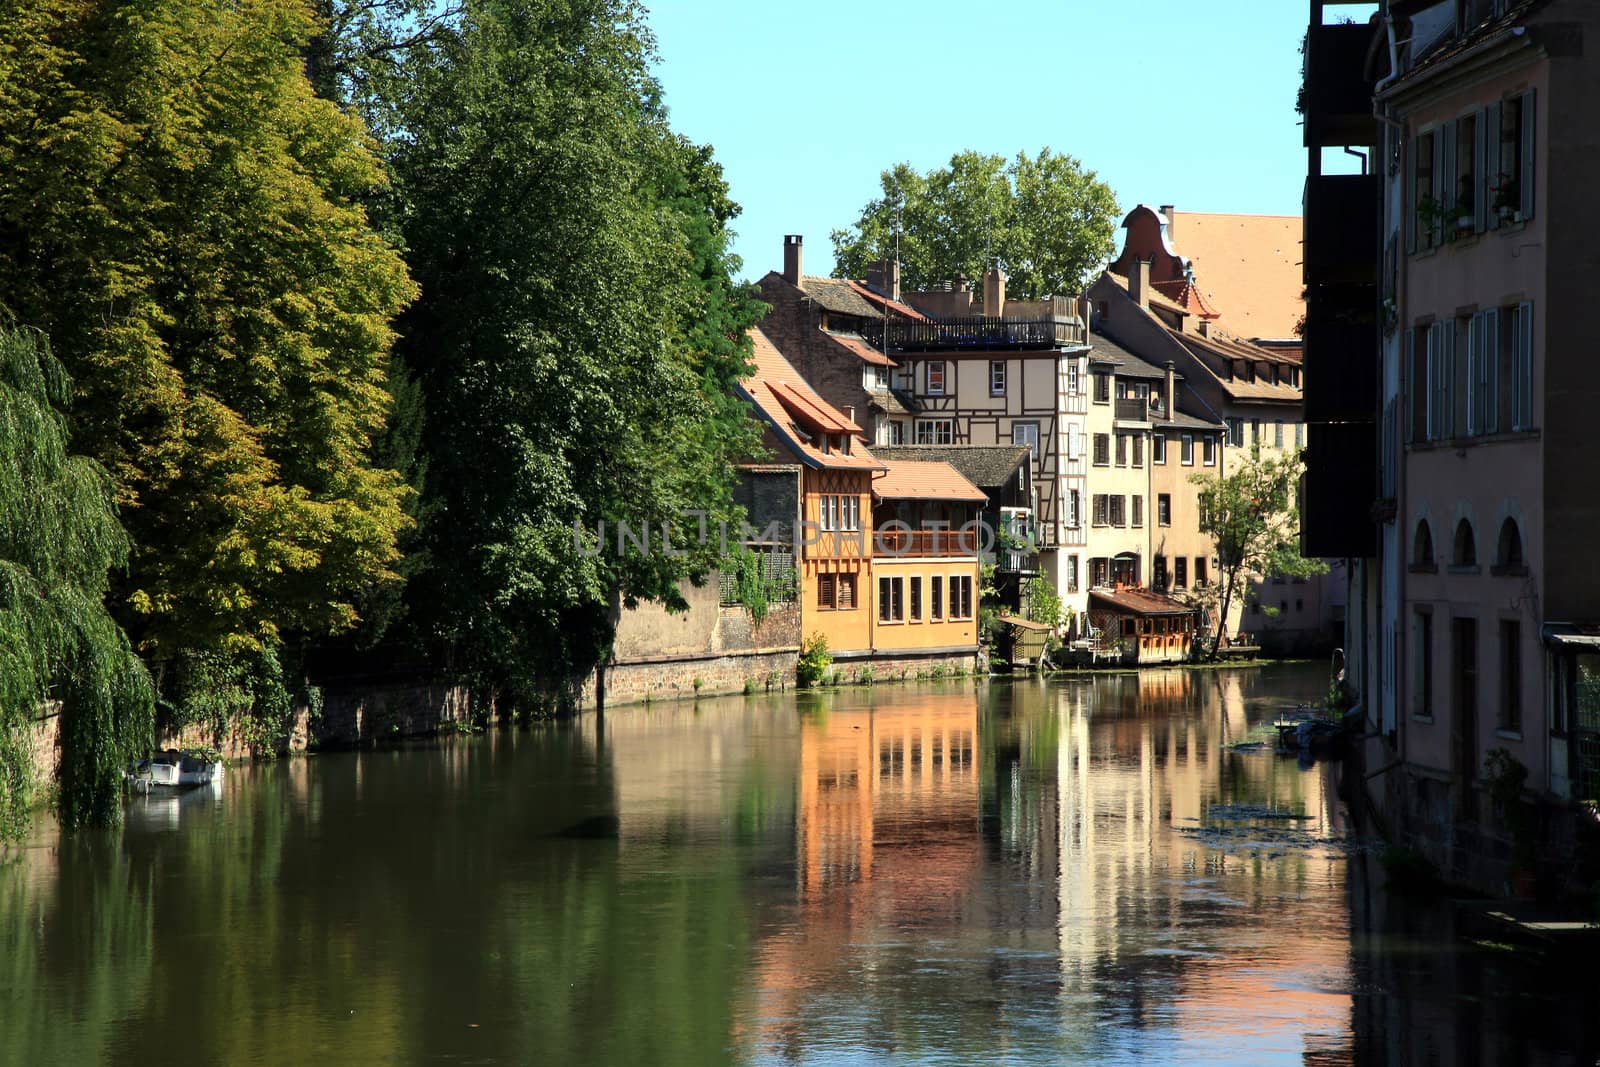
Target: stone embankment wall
351	714
709	649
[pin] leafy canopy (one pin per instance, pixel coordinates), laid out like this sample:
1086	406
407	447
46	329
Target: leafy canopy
576	339
184	217
1042	219
1251	515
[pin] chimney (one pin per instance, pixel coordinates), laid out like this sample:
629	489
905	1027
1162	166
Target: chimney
1205	327
791	258
961	282
883	276
1139	281
994	293
1166	217
1172	389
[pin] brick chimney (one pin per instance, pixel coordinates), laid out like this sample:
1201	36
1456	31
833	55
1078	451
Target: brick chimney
1172	389
1139	281
791	258
883	276
994	293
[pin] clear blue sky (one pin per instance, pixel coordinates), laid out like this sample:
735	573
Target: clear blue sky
1170	101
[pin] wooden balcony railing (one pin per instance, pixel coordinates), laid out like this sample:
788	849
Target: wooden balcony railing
894	543
977	333
1132	409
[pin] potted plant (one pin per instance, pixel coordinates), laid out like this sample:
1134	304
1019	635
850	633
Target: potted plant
1430	219
1507	198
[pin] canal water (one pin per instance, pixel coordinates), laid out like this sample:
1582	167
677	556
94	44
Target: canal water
1088	871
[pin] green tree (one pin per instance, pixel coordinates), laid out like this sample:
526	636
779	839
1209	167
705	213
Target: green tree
1042	219
1251	515
576	339
184	217
59	541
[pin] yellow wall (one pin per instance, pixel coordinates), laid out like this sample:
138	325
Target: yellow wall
913	635
845	554
1183	537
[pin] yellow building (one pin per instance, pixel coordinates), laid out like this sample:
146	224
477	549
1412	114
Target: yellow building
904	600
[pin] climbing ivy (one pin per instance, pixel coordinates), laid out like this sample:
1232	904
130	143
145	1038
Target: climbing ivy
59	648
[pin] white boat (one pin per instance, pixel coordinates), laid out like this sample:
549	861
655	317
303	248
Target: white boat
175	770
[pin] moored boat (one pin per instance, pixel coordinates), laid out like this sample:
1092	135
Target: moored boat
173	769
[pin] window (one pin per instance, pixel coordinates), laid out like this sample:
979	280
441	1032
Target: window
1158	573
1122	450
1102	449
935	431
936	379
1199	570
1180	572
1512	184
1138	450
1508	550
1277	434
936	597
1515	349
1422	223
851	513
1413	357
1465	552
1099	572
1138	510
1074	508
1102	509
1440	380
961	596
1102	388
1209	450
1158	448
877	377
1422	665
1187	454
997	377
916	599
1118	507
1164	509
1026	433
1483	373
897	432
1511	675
1299	435
1072	574
1422	547
827	591
1236	433
847	592
891	600
1074	379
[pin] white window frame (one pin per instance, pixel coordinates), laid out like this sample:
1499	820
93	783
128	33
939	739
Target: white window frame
943	381
1158	449
997	377
1186	455
1208	450
933	426
1032	441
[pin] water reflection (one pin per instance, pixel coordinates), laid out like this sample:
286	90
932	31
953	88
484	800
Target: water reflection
1064	872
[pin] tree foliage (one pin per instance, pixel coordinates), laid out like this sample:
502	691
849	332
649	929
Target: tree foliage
576	339
184	217
59	541
1251	516
1042	219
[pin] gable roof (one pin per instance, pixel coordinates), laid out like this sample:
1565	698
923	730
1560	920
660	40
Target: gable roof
857	346
796	413
924	480
1248	268
1141	602
886	303
838	295
985	466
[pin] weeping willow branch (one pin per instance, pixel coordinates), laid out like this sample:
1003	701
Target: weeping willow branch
59	540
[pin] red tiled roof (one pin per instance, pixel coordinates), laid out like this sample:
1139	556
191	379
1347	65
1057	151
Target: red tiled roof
1186	295
1249	266
1142	602
857	346
922	480
797	413
884	303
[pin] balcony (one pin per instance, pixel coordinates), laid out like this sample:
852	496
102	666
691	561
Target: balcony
1335	97
1020	561
1341	354
978	334
893	544
1341	484
1132	409
1341	229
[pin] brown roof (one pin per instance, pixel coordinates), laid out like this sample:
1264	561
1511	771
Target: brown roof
1248	267
1141	602
857	346
989	466
1229	349
838	294
1498	27
1157	297
910	480
886	303
796	413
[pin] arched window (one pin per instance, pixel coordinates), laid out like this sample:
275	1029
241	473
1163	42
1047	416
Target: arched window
1422	546
1508	549
1466	547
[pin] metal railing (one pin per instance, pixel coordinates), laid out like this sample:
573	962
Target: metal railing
976	332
